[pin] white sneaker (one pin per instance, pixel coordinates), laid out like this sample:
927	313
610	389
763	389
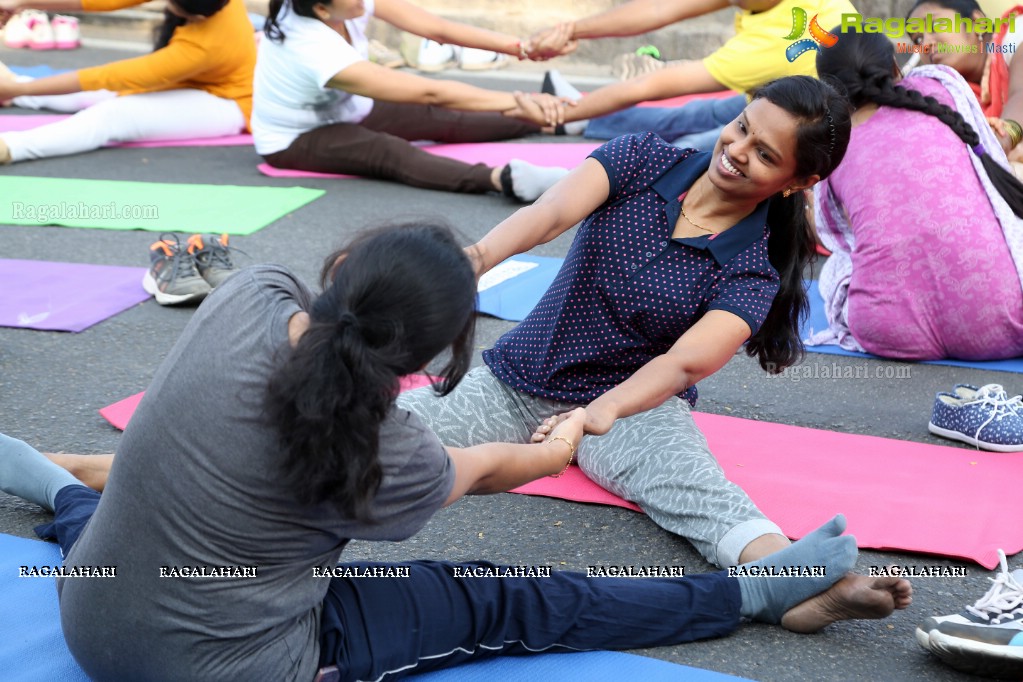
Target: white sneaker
42	32
472	59
66	35
16	33
435	57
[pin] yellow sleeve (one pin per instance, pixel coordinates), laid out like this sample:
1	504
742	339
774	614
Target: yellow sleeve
159	70
756	54
109	5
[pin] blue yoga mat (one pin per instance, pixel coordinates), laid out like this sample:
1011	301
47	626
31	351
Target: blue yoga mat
37	71
514	287
818	321
32	647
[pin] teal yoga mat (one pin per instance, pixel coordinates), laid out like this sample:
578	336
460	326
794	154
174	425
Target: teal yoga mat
156	207
32	646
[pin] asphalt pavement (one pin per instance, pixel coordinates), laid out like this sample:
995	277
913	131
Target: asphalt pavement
52	384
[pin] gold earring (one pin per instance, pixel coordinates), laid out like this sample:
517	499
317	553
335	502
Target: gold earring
786	193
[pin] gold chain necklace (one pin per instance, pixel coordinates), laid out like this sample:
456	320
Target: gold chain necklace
689	220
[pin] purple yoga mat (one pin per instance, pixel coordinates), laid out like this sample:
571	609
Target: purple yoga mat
10	123
67	297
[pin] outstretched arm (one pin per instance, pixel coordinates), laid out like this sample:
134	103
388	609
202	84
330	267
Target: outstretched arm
701	351
640	16
685	78
168	65
418	21
629	19
12	6
372	80
565	204
61	84
497	467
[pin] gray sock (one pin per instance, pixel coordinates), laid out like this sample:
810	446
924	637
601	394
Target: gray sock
26	473
767	598
562	88
529	182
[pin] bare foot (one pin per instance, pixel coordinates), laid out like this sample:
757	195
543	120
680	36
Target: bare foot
92	470
854	596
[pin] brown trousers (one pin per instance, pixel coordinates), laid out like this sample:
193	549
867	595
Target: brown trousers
379	146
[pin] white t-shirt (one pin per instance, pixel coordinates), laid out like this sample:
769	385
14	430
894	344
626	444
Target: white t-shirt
289	93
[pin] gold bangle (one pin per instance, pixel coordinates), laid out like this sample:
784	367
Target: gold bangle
571	455
1014	130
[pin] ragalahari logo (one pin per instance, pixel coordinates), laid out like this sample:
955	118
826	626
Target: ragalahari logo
818	36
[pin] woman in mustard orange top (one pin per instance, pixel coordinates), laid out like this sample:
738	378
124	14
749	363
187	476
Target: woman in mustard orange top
196	83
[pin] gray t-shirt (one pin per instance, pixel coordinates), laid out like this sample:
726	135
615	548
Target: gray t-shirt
196	485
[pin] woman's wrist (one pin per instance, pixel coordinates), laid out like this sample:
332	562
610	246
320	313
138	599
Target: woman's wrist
1014	131
521	49
563	451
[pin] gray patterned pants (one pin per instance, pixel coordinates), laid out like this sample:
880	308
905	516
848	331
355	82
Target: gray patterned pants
657	459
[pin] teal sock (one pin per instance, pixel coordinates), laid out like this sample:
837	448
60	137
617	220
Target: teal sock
26	473
809	566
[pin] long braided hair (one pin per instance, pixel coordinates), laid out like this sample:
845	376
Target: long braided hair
863	63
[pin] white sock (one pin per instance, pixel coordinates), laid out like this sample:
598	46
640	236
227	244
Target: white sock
529	182
26	473
562	88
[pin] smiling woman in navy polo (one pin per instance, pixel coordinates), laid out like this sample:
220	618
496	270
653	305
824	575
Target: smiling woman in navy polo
682	257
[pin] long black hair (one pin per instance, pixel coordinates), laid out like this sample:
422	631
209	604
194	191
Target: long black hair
862	63
393	300
822	136
204	8
302	8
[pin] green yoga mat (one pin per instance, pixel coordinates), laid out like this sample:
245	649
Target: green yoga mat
157	207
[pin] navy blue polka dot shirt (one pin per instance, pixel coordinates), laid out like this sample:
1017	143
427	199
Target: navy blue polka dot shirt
627	290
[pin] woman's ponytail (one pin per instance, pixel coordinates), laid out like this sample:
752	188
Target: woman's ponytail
393	301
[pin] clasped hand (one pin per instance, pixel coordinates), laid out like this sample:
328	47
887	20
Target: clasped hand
540	108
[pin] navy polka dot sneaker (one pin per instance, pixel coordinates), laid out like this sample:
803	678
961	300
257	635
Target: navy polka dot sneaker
986	638
984	417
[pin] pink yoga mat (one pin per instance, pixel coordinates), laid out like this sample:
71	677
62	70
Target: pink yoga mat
897	495
119	414
11	123
66	297
567	154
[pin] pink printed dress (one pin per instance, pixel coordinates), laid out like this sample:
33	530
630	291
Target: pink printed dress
927	258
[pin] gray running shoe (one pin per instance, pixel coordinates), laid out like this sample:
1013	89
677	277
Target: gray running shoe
173	277
212	257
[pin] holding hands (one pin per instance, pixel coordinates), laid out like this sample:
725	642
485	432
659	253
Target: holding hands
540	108
592	420
554	41
563	430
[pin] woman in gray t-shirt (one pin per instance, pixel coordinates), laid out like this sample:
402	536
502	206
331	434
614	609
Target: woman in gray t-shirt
269	438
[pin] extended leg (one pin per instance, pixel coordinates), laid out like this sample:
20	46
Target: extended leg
169	115
373	628
661	461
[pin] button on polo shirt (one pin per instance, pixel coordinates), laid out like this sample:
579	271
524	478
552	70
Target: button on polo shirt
628	290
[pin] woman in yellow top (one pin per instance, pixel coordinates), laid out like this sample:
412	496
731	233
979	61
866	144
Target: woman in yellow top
196	83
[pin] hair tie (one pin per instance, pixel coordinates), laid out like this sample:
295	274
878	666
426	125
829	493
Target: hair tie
979	150
348	319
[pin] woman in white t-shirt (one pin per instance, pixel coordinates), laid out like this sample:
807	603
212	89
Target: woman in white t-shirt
320	105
